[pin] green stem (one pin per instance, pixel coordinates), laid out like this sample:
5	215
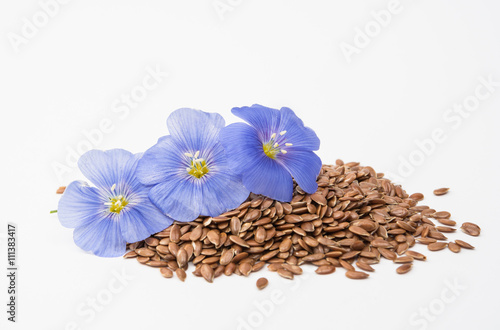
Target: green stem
53	211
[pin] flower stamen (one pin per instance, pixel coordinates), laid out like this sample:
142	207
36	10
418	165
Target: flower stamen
272	147
116	203
198	166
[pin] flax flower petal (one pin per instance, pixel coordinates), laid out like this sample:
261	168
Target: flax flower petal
101	236
265	120
179	199
142	220
162	161
304	166
268	177
195	129
242	143
297	134
80	204
223	189
104	168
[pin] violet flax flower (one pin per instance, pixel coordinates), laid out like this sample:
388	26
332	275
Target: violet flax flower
272	149
188	169
116	211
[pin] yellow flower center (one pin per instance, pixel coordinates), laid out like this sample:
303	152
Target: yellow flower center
198	166
272	148
118	203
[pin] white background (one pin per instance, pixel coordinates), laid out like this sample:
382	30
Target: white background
69	75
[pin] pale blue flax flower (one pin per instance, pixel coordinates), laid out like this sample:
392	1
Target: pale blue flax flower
116	211
274	147
188	169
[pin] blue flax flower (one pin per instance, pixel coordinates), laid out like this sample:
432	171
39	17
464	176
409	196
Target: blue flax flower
116	211
189	170
271	150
